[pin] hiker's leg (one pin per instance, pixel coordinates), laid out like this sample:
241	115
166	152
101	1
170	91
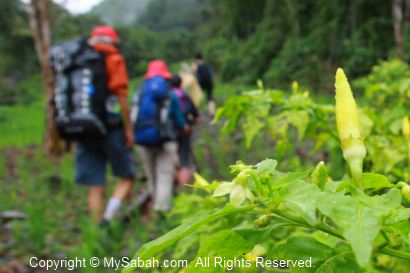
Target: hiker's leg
211	108
184	176
185	159
123	166
90	171
96	202
121	192
165	169
210	98
148	164
123	188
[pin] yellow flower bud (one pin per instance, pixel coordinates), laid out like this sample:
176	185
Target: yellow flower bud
346	110
406	127
257	251
259	83
347	120
262	221
405	191
295	86
319	175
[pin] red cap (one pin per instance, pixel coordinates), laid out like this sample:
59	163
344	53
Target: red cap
106	33
157	68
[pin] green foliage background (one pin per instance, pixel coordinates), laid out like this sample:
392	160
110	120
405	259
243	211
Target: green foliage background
277	41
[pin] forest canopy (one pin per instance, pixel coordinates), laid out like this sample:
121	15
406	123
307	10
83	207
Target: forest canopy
277	41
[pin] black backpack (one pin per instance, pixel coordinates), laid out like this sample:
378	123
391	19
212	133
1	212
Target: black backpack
204	74
81	90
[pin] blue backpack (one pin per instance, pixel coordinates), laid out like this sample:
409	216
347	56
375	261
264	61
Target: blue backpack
151	112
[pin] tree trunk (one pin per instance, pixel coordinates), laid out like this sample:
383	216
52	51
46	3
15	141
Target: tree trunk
398	24
40	28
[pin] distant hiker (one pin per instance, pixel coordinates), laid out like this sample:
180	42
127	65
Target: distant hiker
92	110
185	153
157	117
204	76
190	84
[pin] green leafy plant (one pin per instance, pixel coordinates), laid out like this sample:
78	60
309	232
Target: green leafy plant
300	126
350	225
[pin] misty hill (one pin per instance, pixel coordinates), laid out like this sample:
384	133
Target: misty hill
120	12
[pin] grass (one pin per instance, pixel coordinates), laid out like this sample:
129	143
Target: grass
21	125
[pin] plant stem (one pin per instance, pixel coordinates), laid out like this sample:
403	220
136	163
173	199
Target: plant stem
394	252
320	227
385	236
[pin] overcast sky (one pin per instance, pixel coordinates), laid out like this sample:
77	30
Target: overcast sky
76	6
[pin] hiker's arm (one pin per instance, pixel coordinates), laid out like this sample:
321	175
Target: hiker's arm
125	110
118	84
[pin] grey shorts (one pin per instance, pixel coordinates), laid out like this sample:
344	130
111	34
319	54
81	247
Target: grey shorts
91	159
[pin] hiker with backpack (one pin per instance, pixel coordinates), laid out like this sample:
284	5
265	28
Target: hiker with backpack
184	139
158	117
190	84
92	111
204	75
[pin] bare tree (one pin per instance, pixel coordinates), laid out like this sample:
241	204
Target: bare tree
398	24
41	31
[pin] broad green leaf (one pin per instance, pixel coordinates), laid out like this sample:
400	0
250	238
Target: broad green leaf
395	126
280	179
302	197
375	181
358	223
383	204
184	245
266	167
398	215
403	229
149	249
391	158
325	259
231	123
359	218
251	126
342	262
334	186
299	119
223	189
256	236
226	243
218	115
301	248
